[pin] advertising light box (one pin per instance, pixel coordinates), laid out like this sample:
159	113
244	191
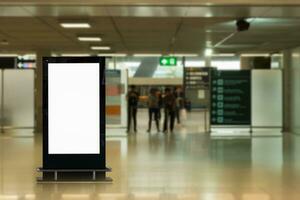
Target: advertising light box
71	85
74	107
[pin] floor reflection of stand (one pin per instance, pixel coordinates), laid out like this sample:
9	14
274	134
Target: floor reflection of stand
73	175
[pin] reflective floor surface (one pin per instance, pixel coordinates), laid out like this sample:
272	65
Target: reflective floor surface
187	165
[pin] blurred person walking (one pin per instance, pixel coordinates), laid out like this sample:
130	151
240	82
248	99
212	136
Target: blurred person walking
132	107
153	108
179	103
160	103
169	110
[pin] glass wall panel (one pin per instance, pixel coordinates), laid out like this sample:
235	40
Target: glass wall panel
18	98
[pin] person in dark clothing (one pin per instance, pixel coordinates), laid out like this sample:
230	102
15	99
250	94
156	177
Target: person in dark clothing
160	103
169	110
153	105
132	105
179	103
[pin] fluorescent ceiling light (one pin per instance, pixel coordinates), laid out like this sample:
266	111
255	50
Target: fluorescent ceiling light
89	39
75	25
101	48
146	55
185	55
277	55
224	55
255	55
132	64
208	52
4	42
75	54
8	55
113	54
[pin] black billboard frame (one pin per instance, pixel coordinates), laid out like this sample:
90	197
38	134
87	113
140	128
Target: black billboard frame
74	167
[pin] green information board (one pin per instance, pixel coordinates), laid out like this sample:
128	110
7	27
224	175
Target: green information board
168	61
231	97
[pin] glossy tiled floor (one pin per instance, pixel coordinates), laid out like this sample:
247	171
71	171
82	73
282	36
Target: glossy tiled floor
186	165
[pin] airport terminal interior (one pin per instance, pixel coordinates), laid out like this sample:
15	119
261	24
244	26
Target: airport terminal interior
229	68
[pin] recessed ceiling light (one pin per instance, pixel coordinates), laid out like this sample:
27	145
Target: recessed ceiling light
131	64
185	55
113	54
208	52
4	42
255	55
8	55
75	25
224	55
146	55
89	39
75	54
100	48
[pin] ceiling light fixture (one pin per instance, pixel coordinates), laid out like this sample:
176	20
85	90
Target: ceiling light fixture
75	54
75	25
104	48
255	55
4	42
185	55
208	52
146	55
8	55
112	54
89	39
224	55
129	64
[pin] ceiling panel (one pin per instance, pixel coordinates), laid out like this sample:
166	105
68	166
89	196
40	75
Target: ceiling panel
155	35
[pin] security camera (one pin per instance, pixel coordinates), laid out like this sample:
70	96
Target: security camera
242	25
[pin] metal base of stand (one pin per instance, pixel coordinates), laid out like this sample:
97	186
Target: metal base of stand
74	176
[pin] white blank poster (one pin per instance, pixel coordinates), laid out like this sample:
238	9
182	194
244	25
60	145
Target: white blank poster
267	98
73	108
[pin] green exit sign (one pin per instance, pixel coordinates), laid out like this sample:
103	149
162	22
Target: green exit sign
168	61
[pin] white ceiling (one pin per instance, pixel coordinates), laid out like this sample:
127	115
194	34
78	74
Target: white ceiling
149	29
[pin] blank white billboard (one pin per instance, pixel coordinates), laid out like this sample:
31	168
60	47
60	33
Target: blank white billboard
73	108
267	98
